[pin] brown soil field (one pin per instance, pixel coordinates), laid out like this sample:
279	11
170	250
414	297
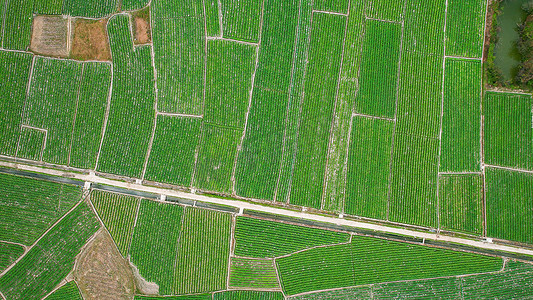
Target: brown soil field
50	36
101	272
91	41
141	27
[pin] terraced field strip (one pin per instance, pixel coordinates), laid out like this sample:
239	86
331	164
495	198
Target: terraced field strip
203	248
460	144
131	113
305	217
267	239
179	41
118	212
29	207
52	257
155	240
258	163
509	204
321	80
360	263
15	70
465	27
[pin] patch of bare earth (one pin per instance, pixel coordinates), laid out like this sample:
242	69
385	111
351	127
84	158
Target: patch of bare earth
91	41
101	272
50	36
142	32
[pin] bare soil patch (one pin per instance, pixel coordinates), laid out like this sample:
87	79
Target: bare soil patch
142	32
50	36
91	41
101	272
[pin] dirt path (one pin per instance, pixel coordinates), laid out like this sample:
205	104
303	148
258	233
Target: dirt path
272	210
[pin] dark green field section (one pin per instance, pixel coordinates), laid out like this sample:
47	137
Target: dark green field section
131	113
68	291
9	254
464	27
261	238
91	9
508	132
52	258
133	4
367	181
173	150
379	70
461	121
509	205
29	207
357	264
461	204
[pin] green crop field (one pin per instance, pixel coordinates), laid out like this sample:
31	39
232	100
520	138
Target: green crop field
253	273
264	149
29	207
118	213
261	238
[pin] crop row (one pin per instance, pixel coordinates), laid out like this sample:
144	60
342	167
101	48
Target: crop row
8	254
68	291
252	273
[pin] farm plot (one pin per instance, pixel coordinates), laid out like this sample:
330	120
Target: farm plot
90	9
505	285
51	105
184	297
133	4
363	292
8	254
17	24
172	156
131	112
29	206
379	69
460	206
68	291
413	195
323	69
460	145
465	27
367	181
203	252
258	162
154	243
335	177
252	273
338	6
369	260
442	288
228	82
262	238
179	55
31	143
212	21
241	20
48	7
118	212
508	130
90	113
509	205
245	295
216	158
424	27
390	10
52	258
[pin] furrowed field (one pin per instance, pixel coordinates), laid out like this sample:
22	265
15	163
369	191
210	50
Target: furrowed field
365	110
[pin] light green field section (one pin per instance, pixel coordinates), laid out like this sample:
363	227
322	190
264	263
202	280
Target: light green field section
390	10
252	273
424	27
262	238
338	6
52	258
154	243
460	203
131	113
465	28
172	156
461	120
118	213
367	181
241	20
509	205
29	207
203	252
245	295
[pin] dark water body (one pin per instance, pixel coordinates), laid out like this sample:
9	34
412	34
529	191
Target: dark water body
506	56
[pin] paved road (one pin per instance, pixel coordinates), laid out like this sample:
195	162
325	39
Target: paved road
242	205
